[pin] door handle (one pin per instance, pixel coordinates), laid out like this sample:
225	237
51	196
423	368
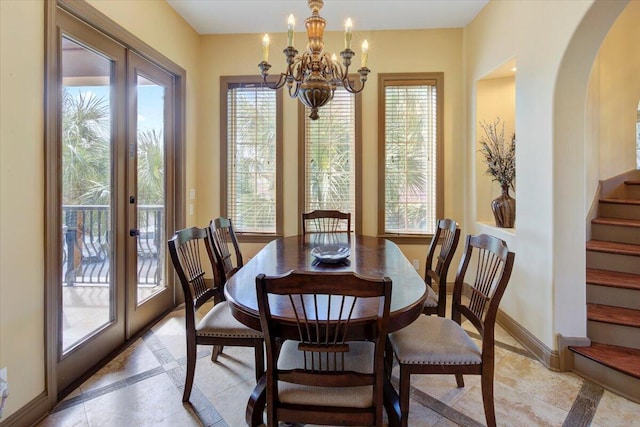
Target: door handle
134	232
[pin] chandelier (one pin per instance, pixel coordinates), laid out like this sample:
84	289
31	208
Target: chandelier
313	76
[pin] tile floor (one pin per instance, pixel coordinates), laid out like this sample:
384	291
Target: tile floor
142	386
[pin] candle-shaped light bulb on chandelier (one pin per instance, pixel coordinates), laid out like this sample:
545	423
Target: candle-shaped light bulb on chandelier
348	26
291	23
365	53
265	48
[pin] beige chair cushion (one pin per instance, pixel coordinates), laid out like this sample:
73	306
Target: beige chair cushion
360	356
219	322
432	298
434	340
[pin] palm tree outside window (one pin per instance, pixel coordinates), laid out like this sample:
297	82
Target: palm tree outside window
410	153
251	151
330	157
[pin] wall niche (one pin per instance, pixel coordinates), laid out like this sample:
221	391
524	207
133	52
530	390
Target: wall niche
495	98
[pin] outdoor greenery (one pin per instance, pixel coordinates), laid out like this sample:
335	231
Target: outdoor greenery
86	152
86	172
251	161
410	158
87	158
330	152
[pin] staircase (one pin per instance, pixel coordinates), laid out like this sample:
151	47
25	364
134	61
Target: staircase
613	294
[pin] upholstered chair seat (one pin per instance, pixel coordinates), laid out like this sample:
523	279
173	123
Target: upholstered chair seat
448	343
360	356
432	299
219	322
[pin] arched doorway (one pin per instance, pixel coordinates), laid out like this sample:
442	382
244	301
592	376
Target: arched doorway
569	177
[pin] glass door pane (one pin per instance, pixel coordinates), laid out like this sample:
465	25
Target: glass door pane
151	136
87	288
150	188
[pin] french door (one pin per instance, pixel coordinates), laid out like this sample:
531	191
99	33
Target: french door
116	172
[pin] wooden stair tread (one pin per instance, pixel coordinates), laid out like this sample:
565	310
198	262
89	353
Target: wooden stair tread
622	359
614	315
615	279
621	201
613	247
617	222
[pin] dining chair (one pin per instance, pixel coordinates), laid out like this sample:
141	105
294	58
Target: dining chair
446	237
326	221
325	337
437	345
218	327
224	239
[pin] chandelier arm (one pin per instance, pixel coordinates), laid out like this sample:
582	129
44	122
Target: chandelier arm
277	85
294	94
364	72
347	85
297	69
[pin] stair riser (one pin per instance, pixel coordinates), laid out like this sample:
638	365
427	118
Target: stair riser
617	297
608	378
616	210
609	333
614	233
630	192
613	262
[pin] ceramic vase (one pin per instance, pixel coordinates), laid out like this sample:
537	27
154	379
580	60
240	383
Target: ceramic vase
504	209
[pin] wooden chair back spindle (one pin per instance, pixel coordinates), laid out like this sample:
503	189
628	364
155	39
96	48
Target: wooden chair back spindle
326	221
224	240
478	299
446	236
319	325
186	248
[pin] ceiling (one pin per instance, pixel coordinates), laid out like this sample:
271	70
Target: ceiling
269	16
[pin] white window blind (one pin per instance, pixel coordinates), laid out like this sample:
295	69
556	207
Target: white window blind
251	158
410	157
329	156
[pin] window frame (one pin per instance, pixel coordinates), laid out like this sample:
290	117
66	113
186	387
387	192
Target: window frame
302	127
409	79
245	237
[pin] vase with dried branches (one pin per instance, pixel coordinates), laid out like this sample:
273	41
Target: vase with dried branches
500	158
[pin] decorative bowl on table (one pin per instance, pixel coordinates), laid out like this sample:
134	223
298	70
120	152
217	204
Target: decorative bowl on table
331	254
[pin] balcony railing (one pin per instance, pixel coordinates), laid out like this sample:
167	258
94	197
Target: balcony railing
87	249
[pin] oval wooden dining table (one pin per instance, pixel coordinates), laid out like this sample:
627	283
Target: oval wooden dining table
370	256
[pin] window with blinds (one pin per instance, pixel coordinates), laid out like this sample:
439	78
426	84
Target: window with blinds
250	172
411	117
329	156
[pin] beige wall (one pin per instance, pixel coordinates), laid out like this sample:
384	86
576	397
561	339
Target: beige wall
544	296
495	36
612	102
547	293
569	163
21	199
619	92
431	50
22	168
